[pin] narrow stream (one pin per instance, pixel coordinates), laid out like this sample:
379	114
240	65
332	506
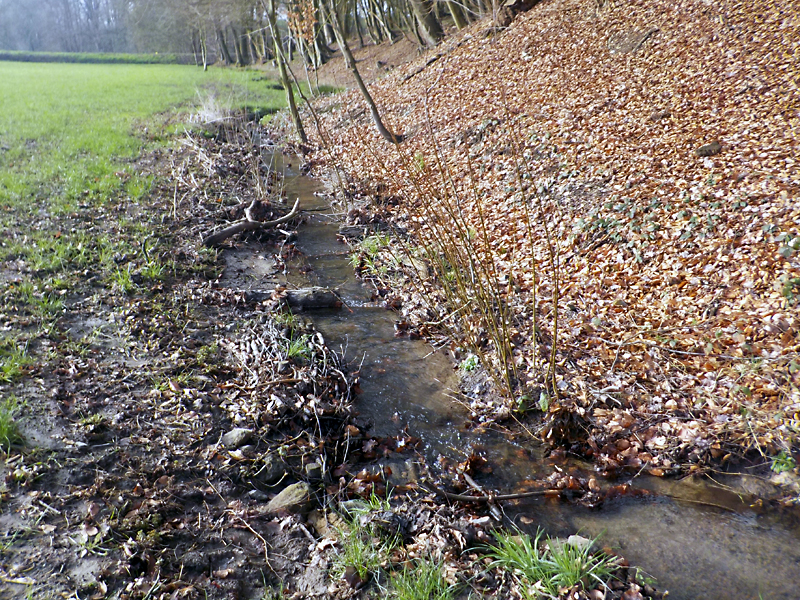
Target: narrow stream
692	550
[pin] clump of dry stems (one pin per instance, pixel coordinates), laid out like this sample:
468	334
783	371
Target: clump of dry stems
482	305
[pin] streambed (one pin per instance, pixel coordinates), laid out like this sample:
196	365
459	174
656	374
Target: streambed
697	540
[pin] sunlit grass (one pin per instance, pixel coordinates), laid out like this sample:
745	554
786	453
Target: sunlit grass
67	131
90	57
544	569
9	430
362	550
14	361
69	138
422	581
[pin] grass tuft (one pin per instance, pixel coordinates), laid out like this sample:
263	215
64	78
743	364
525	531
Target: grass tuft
9	429
122	281
298	348
549	568
13	362
361	547
424	580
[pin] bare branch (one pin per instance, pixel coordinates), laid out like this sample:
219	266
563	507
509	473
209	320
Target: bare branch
247	224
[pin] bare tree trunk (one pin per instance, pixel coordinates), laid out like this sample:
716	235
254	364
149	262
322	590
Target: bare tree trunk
412	26
265	45
457	13
223	47
253	49
371	21
380	15
196	48
351	65
237	49
429	26
358	25
281	60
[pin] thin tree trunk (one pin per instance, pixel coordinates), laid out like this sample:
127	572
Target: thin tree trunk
412	26
267	52
380	15
223	47
327	30
255	53
457	13
236	47
287	85
195	49
373	29
429	26
351	65
358	24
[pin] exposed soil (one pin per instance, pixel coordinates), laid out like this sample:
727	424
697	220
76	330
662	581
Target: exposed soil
127	485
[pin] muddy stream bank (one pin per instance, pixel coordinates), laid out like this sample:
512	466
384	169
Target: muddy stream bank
695	538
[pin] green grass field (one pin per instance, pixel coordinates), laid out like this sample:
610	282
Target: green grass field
67	129
70	136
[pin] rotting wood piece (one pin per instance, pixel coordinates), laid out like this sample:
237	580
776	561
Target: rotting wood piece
247	224
299	299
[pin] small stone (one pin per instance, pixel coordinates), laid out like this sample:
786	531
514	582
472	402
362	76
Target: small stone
576	541
660	114
788	480
258	495
271	471
327	523
580	542
237	437
296	498
314	471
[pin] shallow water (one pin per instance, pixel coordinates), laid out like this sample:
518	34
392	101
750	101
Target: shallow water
692	550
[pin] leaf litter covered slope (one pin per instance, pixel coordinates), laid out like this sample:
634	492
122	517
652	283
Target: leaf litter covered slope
658	141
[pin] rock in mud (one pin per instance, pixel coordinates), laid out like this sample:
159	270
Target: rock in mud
237	437
297	498
300	299
314	471
272	470
310	298
327	523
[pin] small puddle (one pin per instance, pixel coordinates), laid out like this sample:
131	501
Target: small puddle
693	550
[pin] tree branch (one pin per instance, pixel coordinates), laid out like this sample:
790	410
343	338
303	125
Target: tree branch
247	224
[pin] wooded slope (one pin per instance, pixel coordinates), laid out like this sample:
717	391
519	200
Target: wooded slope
658	140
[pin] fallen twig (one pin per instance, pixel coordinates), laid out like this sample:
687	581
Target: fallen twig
247	224
489	498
